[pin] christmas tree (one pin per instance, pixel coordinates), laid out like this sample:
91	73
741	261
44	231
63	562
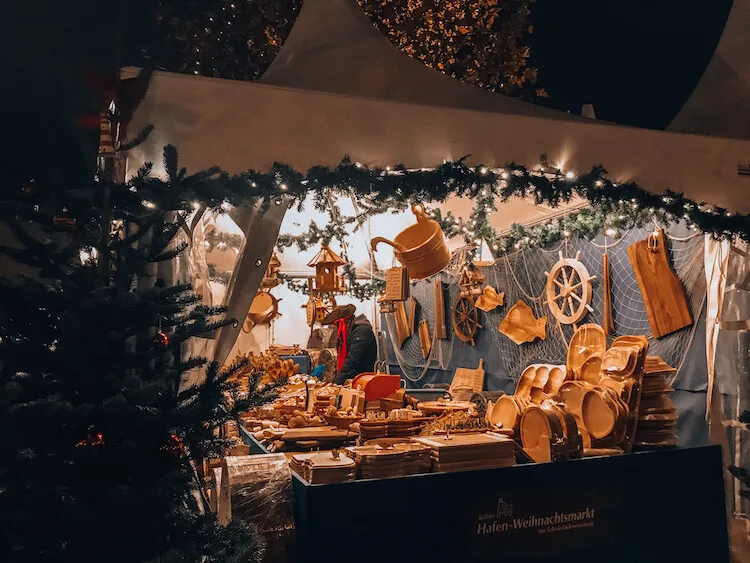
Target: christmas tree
101	438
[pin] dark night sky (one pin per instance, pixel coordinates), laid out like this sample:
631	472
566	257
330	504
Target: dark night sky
636	61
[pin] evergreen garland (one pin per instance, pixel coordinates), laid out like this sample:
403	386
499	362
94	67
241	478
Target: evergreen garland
626	204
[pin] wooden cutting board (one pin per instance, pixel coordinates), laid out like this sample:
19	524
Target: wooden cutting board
465	377
662	290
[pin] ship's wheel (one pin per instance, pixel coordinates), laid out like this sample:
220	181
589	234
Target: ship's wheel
568	290
465	319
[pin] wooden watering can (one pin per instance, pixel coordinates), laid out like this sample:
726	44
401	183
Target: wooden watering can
421	248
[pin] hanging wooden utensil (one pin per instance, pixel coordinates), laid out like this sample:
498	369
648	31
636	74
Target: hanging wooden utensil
402	323
425	342
441	330
608	323
662	291
412	314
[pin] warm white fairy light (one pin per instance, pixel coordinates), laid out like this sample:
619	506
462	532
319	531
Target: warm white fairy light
254	185
483	170
598	183
284	187
147	203
569	175
610	232
88	256
196	205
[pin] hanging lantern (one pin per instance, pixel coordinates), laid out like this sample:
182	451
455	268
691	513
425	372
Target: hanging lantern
327	279
106	138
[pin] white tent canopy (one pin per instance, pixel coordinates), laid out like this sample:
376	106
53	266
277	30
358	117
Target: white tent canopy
341	88
719	103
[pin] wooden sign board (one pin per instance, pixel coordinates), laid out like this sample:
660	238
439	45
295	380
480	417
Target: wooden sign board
396	284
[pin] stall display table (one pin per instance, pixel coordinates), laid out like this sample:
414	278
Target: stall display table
646	507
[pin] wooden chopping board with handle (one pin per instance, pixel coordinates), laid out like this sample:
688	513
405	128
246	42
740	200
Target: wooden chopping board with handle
663	293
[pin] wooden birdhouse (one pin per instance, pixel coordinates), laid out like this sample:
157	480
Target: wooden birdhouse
271	277
326	264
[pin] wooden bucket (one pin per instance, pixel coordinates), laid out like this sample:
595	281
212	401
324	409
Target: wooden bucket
548	433
421	248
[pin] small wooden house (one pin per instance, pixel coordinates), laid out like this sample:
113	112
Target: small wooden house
326	264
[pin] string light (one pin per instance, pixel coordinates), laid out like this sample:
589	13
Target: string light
610	232
148	204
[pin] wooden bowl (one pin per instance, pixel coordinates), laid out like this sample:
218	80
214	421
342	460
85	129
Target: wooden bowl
591	370
588	340
506	413
599	413
343	422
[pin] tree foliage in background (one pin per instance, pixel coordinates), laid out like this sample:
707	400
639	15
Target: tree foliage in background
101	434
483	42
234	39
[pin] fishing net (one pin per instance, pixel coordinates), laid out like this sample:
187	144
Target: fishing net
521	276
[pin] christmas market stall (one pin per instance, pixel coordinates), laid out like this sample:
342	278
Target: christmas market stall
540	288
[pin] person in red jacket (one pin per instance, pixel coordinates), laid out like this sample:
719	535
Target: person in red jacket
357	349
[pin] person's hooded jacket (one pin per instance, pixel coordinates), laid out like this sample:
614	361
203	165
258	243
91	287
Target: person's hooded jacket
362	350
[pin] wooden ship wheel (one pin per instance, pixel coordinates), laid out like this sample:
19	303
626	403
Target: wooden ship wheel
568	290
465	315
263	309
465	319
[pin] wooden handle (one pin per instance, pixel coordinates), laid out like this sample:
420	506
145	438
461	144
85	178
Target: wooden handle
419	212
377	240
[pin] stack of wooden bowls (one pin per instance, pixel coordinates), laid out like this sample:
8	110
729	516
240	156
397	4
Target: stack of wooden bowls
537	383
